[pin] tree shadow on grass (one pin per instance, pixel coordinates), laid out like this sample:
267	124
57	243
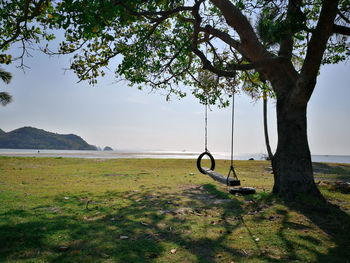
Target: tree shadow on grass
118	227
194	224
332	171
330	220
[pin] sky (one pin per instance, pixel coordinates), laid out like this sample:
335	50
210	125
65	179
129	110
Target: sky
113	114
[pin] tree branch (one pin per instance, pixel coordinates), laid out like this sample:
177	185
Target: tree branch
316	48
24	18
163	14
230	71
343	16
343	30
286	45
224	37
254	50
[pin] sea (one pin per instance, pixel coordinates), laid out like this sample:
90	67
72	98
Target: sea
153	154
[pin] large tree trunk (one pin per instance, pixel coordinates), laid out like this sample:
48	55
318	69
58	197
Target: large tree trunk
292	164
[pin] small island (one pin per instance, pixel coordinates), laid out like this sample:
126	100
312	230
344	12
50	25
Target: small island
107	148
33	138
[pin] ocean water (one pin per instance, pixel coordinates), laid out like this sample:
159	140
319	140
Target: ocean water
153	154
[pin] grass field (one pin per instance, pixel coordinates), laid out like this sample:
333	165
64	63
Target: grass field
154	210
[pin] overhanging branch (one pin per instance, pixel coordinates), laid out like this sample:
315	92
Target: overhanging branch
253	49
36	11
343	30
343	16
154	15
316	48
224	37
231	69
286	44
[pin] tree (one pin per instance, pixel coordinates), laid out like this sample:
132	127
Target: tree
6	77
257	89
164	43
266	132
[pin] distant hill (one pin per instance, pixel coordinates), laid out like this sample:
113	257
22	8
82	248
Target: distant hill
33	138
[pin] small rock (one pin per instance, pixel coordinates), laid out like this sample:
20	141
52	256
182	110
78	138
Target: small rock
173	251
124	237
257	239
66	198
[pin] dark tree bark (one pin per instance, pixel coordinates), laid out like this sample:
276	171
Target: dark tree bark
292	164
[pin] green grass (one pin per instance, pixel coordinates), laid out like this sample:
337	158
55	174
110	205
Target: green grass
153	210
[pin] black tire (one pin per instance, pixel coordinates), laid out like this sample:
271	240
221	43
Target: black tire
243	190
212	160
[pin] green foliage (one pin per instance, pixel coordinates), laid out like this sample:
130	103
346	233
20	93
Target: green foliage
32	138
6	77
24	22
273	25
5	98
152	42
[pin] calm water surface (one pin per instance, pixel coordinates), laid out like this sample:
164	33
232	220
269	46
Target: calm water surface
152	154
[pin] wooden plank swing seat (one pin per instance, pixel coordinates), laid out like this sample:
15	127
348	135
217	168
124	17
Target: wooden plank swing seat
220	178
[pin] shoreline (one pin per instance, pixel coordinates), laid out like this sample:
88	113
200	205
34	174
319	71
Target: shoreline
341	159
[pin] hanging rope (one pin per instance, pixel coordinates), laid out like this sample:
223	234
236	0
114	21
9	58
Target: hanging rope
206	126
232	124
206	151
232	170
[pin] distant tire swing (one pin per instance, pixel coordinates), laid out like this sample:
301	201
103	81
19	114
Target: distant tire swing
199	161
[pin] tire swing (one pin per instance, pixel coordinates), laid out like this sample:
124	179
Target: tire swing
229	181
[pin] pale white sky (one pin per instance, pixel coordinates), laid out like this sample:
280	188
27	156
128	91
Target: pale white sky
113	114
